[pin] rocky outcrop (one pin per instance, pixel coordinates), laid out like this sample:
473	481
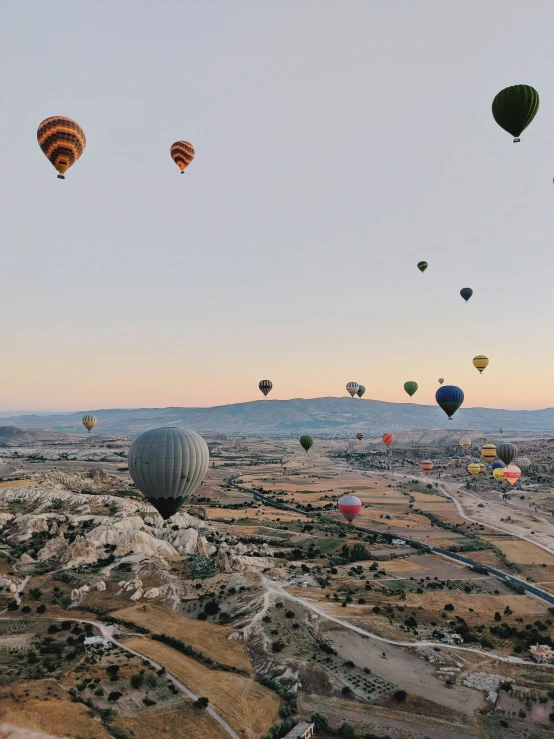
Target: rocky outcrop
137	595
26	559
53	548
5	518
101	585
141	542
223	561
79	552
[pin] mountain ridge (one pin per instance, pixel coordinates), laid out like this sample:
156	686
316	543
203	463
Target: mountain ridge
328	416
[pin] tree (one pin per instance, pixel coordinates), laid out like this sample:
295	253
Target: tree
35	593
347	732
277	646
320	722
448	607
41	608
113	672
114	696
211	608
497	616
137	681
13	605
358	552
400	696
202	703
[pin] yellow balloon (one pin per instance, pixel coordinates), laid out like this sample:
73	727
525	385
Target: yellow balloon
498	474
474	469
480	362
465	443
488	451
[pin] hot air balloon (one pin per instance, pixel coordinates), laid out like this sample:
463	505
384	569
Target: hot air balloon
350	506
482	468
511	473
89	422
167	465
497	465
441	380
306	441
361	391
465	443
498	474
422	266
488	451
265	386
474	469
523	462
456	460
480	362
449	398
182	154
426	466
501	430
514	108
359	436
506	452
62	142
388	439
352	388
466	293
410	387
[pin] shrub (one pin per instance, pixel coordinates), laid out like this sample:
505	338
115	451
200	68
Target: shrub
400	696
41	608
137	681
346	732
114	696
202	703
202	616
211	608
277	646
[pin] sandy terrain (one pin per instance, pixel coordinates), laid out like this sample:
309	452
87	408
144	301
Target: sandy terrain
174	722
242	701
402	667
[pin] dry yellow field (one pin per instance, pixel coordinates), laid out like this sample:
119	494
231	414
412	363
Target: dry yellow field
257	514
212	639
53	716
414	521
17	484
521	552
243	702
403	565
173	722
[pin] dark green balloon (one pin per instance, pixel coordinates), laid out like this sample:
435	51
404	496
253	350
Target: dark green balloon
410	387
515	107
306	441
422	266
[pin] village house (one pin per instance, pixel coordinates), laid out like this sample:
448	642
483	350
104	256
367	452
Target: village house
541	653
303	730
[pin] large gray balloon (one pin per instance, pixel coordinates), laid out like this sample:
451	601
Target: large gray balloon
167	465
506	452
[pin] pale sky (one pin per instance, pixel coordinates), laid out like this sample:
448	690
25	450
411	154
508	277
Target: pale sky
338	142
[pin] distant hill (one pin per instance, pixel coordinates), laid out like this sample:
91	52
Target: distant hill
15	435
320	416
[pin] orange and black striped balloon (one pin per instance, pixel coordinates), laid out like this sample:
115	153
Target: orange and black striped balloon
62	142
182	154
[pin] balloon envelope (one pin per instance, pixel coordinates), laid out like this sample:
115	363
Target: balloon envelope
350	506
488	451
427	466
497	465
89	422
441	380
306	441
265	386
449	398
359	436
422	266
182	154
62	141
480	362
515	107
167	465
361	391
388	439
512	473
410	387
498	473
506	452
352	388
523	462
466	293
474	469
465	442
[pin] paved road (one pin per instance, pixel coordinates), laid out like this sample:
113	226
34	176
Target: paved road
542	594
